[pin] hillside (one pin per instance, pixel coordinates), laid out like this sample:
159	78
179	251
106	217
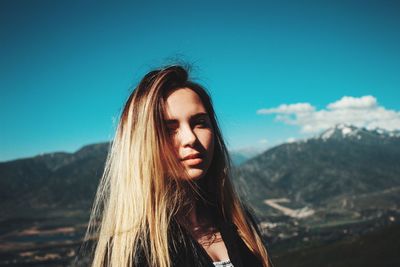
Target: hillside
312	197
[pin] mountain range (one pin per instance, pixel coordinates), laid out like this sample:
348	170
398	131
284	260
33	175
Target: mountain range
343	181
339	169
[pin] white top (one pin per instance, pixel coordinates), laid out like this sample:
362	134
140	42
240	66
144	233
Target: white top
225	263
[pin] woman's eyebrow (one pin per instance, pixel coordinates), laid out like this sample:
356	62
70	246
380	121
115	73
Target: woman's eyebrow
193	117
197	115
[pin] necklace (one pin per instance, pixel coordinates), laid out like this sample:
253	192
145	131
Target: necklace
208	240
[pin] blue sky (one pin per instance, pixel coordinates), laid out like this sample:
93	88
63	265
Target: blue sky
67	66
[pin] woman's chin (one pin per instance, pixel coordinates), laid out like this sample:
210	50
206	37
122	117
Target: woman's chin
195	174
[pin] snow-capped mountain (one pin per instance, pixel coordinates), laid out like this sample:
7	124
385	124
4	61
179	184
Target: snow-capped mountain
340	131
344	168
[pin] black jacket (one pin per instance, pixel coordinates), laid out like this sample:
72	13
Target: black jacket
185	251
193	254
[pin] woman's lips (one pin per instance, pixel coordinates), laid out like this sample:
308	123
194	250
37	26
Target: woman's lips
193	159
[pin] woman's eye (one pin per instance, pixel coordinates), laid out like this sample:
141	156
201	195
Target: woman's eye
171	130
202	122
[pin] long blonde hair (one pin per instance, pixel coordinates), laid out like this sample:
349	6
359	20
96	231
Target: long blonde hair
142	189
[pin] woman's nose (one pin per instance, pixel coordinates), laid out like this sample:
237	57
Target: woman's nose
187	136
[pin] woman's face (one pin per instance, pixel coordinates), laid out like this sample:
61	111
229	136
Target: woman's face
190	130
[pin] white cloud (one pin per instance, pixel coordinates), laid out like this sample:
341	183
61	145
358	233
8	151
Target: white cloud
359	111
263	141
291	140
287	109
349	102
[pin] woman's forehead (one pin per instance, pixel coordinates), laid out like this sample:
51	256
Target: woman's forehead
182	103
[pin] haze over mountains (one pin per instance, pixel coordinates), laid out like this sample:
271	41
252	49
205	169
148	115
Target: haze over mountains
345	180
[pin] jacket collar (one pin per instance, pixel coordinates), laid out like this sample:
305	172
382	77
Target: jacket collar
228	233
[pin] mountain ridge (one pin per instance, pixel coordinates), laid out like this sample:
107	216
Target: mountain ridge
315	191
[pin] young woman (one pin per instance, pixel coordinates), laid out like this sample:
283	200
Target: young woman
165	198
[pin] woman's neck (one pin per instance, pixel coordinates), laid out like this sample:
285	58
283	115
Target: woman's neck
192	216
198	221
197	215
